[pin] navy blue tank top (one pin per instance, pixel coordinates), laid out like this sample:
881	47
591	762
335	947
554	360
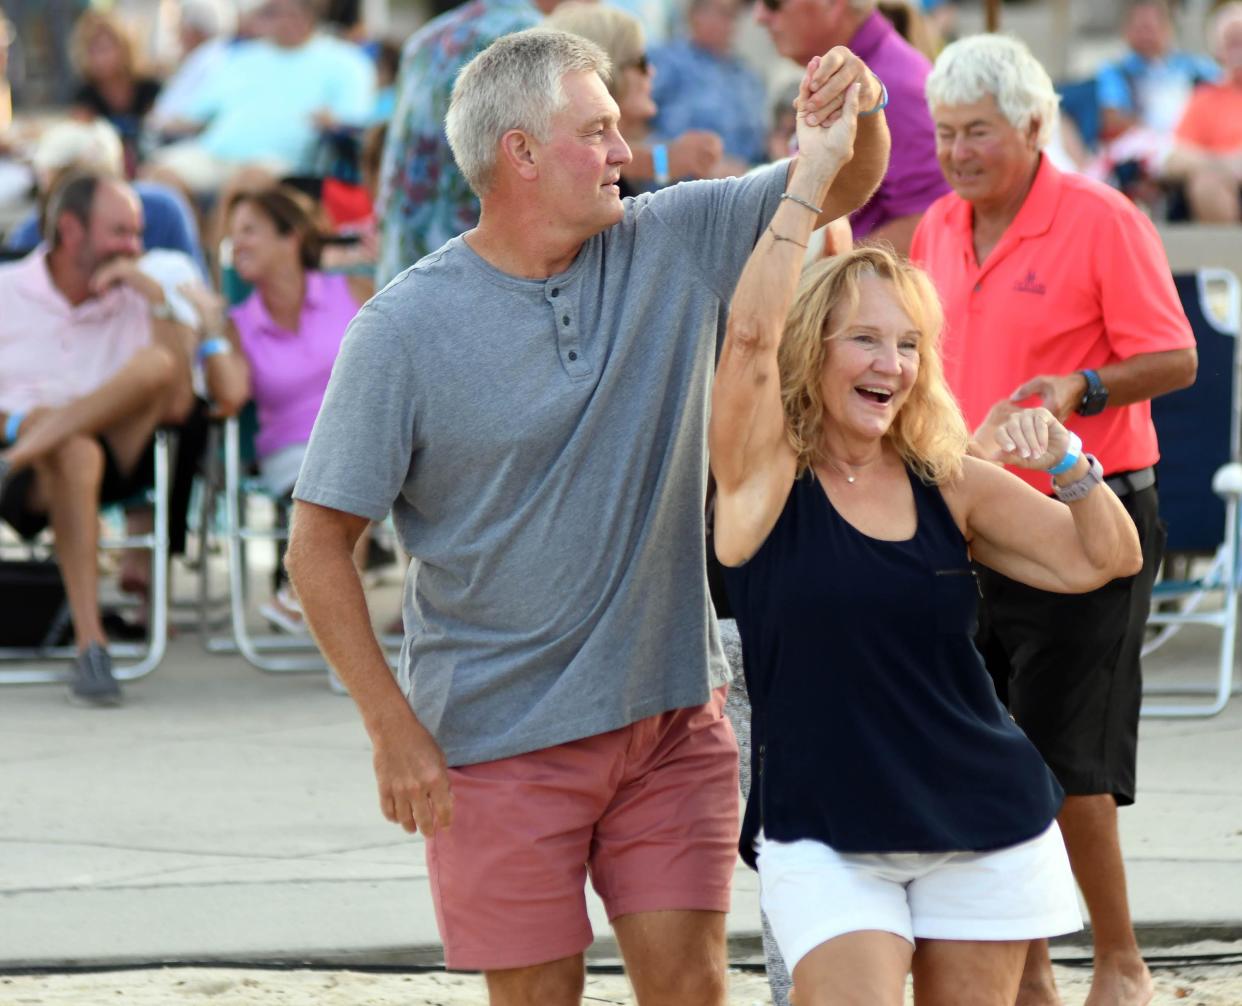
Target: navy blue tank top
875	726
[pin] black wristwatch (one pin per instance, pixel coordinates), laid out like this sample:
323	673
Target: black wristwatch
1095	397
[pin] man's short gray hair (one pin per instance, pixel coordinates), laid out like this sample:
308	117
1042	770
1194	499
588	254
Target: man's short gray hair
973	68
515	83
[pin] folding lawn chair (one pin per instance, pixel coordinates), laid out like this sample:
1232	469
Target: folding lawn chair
33	664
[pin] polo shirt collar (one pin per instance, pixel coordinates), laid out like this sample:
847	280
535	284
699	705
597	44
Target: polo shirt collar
312	296
314	289
871	34
1033	219
37	280
1037	212
1040	207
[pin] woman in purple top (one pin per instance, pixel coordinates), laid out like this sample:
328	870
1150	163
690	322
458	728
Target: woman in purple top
288	332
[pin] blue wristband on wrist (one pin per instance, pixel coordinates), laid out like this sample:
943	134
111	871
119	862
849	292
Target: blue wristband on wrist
883	104
214	346
1073	451
12	425
659	163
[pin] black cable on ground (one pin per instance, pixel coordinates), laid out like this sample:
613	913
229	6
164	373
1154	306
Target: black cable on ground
1231	958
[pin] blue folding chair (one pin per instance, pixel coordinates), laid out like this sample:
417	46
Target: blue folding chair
1200	484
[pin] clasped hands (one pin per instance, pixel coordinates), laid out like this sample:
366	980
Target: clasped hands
1025	438
833	90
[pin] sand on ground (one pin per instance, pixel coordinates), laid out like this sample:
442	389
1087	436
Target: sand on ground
1197	985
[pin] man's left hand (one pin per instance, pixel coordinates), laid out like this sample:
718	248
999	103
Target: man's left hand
1060	394
837	70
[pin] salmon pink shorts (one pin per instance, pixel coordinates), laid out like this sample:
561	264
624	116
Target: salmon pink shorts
649	811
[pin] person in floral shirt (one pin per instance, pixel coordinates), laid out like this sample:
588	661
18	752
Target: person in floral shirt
423	199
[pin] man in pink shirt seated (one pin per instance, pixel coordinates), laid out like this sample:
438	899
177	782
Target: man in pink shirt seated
90	364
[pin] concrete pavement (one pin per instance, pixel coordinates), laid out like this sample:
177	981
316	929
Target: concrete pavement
224	814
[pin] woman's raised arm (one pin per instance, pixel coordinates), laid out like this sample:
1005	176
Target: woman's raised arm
752	461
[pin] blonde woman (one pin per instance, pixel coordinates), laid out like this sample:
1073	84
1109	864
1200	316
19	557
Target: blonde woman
899	819
696	153
112	86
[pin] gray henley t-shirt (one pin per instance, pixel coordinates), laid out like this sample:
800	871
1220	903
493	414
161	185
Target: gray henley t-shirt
542	447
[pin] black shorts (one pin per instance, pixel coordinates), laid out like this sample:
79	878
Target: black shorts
117	486
1067	665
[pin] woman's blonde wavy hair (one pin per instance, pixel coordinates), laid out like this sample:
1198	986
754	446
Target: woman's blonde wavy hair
90	23
929	431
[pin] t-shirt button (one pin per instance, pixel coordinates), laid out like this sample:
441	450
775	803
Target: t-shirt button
978	287
572	356
556	291
565	319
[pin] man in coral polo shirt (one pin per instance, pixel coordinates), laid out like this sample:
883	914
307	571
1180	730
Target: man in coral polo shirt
1056	289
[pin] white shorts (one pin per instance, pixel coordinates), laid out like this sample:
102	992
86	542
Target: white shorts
812	893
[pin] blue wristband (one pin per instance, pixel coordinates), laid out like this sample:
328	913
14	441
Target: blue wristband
659	163
12	425
1073	451
881	106
214	346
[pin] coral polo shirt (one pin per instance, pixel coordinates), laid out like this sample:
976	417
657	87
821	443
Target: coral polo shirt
1079	280
1213	119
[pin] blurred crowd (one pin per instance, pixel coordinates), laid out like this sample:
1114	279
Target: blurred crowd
261	90
289	162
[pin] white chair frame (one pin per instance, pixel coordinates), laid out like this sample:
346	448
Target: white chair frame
35	663
276	653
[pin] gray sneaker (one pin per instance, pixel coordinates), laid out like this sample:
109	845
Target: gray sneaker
93	683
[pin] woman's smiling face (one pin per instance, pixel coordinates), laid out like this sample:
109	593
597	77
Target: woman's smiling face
872	365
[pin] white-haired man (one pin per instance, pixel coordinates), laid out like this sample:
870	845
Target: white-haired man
912	182
531	402
1057	289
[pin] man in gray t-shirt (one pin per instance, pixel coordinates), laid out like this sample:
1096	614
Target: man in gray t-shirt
531	402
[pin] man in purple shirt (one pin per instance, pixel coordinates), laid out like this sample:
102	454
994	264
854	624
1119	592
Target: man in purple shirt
801	29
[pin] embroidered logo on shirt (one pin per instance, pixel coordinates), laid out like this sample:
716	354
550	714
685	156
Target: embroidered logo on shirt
1028	284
